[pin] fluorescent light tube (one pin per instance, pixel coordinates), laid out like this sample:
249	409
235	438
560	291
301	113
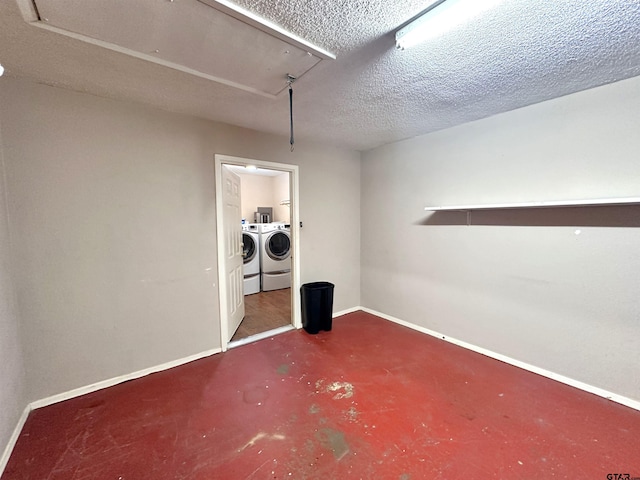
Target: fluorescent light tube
439	19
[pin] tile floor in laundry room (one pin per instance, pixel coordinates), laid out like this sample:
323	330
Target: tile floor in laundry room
369	399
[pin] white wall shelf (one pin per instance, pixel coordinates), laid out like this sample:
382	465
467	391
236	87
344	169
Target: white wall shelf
544	204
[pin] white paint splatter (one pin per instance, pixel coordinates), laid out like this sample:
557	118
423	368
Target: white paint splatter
343	389
260	436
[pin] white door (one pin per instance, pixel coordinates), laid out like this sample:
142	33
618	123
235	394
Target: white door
232	228
224	225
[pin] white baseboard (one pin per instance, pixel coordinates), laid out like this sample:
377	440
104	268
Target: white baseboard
4	459
260	336
344	312
629	402
76	392
158	368
165	366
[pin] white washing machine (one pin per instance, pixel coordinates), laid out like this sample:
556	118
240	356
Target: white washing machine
251	258
275	256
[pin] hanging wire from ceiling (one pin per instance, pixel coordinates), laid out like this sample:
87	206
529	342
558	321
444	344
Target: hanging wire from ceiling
290	80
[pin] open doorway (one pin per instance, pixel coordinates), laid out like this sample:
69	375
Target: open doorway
265	233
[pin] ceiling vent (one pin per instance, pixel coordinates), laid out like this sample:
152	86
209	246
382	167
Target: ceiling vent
212	39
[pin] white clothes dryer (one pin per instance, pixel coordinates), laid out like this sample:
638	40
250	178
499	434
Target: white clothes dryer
251	258
275	256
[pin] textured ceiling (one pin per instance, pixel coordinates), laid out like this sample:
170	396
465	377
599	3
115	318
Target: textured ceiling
519	53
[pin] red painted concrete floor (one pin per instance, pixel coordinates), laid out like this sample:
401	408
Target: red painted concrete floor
369	400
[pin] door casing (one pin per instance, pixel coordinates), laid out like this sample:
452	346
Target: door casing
219	160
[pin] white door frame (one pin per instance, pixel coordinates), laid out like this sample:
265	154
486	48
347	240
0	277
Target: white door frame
220	159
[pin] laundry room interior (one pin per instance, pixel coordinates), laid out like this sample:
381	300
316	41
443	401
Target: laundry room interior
265	197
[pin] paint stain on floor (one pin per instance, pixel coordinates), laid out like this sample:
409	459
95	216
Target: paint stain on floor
339	389
255	395
333	440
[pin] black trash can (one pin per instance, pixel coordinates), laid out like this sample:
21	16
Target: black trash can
317	306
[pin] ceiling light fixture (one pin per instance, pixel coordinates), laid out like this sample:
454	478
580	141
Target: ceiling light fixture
440	17
1	70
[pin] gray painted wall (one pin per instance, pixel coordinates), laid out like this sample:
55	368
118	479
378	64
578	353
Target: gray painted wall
112	207
12	377
112	215
525	284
